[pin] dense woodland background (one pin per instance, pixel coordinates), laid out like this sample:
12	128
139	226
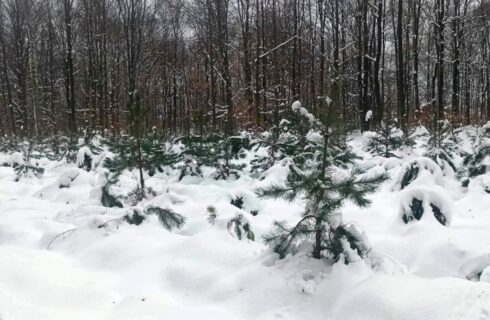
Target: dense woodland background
224	65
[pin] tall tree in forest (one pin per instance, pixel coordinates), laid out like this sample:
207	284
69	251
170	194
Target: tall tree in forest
400	66
6	71
132	15
69	65
439	29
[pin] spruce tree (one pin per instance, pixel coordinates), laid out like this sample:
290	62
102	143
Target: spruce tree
325	176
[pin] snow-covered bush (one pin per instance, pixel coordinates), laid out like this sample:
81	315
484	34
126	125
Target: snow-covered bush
240	228
108	199
475	164
67	177
85	157
415	169
22	162
27	170
416	201
443	147
246	201
349	236
217	152
386	140
9	144
190	167
271	147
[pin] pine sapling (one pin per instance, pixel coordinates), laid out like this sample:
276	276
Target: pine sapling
325	186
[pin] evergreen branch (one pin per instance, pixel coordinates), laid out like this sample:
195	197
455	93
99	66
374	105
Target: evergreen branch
167	217
281	237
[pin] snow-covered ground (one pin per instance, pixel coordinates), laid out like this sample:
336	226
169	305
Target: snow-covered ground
120	271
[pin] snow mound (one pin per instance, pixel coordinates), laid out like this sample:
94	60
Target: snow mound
419	171
417	202
480	184
413	298
15	159
51	288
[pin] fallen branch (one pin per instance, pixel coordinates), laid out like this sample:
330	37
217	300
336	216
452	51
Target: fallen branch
111	220
59	235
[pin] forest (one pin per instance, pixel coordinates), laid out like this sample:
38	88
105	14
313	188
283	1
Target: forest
223	66
244	159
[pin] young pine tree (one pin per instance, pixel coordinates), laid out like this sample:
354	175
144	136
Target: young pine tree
325	177
27	168
478	161
443	147
145	153
284	140
214	151
387	139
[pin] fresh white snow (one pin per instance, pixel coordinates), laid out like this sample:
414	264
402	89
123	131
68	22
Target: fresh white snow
414	271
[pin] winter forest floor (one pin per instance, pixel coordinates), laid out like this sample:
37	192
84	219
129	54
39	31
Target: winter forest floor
417	271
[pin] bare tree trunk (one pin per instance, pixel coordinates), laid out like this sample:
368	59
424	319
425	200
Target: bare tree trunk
69	67
6	74
440	47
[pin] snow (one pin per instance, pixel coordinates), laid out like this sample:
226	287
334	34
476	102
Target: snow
82	153
369	115
15	158
428	195
429	173
419	270
296	107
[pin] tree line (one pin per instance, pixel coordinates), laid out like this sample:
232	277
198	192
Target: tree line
212	66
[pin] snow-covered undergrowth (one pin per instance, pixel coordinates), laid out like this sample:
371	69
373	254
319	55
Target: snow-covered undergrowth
65	256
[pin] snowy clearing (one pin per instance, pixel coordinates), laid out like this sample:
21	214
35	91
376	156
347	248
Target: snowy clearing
62	259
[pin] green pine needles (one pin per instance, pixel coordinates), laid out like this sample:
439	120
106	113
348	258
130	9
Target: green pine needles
240	227
26	168
213	151
475	164
325	176
284	141
140	151
169	219
324	196
443	146
387	139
